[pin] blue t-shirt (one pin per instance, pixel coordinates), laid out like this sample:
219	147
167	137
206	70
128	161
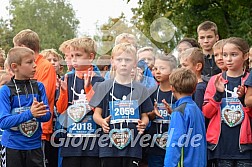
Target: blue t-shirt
103	95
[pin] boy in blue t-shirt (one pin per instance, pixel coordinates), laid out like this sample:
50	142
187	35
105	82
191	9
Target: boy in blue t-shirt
186	145
24	106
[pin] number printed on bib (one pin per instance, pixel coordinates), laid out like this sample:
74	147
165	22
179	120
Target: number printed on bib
124	110
164	113
85	128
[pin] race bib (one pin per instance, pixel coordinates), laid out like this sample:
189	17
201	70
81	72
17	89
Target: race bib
164	113
120	138
231	111
124	110
85	128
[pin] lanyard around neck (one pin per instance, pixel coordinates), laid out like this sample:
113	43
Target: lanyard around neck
157	97
131	90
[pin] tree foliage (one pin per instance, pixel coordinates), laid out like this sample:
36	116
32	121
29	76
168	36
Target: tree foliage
232	17
53	20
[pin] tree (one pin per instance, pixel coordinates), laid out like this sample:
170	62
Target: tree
53	20
232	17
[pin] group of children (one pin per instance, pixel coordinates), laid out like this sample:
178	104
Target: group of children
136	109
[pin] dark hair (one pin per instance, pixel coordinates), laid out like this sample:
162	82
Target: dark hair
208	25
193	42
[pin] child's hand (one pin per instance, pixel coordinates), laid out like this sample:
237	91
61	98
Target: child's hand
219	85
105	125
58	80
87	78
63	84
167	106
139	74
141	126
38	109
156	110
241	91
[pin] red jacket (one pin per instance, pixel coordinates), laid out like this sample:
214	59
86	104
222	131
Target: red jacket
212	111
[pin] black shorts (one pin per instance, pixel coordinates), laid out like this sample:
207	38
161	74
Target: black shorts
120	161
81	161
22	158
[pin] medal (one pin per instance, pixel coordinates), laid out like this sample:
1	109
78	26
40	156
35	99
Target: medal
77	112
120	138
28	128
161	140
232	114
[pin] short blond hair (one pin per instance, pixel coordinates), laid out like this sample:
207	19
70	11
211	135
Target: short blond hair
144	49
170	59
183	80
16	54
65	45
46	52
195	55
126	38
86	43
125	47
219	44
28	38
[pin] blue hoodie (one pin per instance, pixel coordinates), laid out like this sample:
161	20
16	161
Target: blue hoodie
186	145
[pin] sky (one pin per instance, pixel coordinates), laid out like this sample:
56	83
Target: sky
91	12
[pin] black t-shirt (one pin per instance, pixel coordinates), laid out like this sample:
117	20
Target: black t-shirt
152	148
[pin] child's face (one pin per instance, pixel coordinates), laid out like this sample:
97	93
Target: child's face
233	57
26	69
123	63
148	57
161	70
183	46
4	78
186	63
207	39
68	58
80	59
54	61
218	57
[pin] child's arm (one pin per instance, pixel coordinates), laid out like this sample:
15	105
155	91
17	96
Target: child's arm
174	144
248	97
62	102
103	122
7	120
212	105
142	123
